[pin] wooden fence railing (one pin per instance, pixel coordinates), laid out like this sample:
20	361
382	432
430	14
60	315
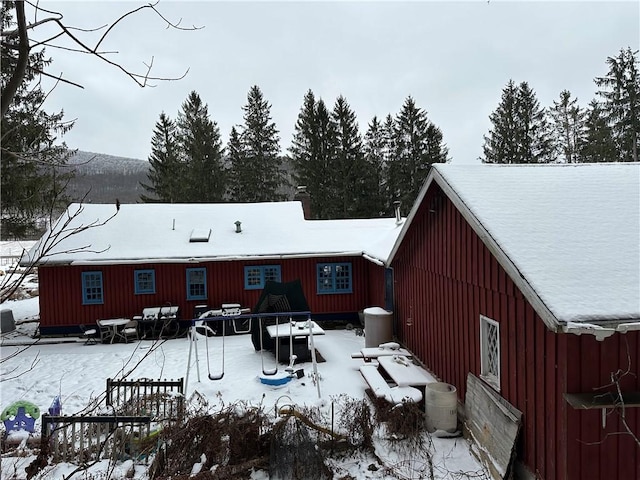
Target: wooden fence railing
127	433
82	439
160	399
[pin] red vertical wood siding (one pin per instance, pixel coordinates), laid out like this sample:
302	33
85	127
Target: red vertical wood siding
61	288
376	286
445	278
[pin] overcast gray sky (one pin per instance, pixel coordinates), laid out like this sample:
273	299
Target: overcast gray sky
454	58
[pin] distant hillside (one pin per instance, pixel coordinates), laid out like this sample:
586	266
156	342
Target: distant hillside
103	178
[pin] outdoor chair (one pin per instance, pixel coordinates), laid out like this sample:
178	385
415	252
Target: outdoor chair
130	331
90	335
106	333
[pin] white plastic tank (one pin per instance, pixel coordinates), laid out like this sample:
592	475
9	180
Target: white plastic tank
378	326
441	407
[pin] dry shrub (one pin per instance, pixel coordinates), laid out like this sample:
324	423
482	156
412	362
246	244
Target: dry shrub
402	421
230	438
355	420
160	406
294	454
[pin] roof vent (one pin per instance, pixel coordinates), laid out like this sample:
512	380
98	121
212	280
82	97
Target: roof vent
200	235
238	224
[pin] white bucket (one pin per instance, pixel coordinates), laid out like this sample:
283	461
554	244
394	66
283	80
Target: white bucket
441	407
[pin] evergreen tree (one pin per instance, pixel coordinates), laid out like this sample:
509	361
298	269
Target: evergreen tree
34	171
520	132
324	174
620	91
350	169
389	172
418	145
237	163
304	148
166	173
599	144
375	151
199	140
568	126
499	145
535	136
312	151
256	173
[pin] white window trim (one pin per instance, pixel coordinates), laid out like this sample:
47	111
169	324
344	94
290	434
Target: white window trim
489	377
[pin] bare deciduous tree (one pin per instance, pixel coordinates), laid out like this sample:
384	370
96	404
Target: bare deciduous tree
19	43
19	39
57	231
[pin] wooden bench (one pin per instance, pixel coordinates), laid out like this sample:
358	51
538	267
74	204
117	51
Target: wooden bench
372	353
381	389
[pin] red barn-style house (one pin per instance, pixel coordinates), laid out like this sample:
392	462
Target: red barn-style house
103	261
528	278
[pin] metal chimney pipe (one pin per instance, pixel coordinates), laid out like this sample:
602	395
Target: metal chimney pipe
396	205
303	196
238	224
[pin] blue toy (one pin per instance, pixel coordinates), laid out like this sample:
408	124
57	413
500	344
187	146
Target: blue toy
20	415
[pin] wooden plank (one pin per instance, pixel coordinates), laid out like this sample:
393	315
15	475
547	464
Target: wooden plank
376	382
591	420
530	389
539	347
561	417
369	353
404	372
573	423
494	425
551	399
512	348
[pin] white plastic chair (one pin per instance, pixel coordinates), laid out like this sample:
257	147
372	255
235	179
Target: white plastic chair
130	330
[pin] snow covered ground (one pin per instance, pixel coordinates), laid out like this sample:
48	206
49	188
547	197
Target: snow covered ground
77	372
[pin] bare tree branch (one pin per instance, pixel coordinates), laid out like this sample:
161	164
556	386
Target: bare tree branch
620	407
58	231
23	60
24	46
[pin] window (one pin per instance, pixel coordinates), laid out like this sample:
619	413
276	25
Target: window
144	281
196	283
92	288
256	276
334	278
490	351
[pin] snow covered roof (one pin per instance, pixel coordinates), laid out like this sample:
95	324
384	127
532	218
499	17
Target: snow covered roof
142	233
568	235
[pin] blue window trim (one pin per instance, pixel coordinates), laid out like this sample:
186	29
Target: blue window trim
92	288
262	269
328	278
191	296
138	282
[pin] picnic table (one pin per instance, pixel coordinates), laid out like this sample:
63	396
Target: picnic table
384	350
293	338
404	372
236	323
396	378
112	325
156	322
295	329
